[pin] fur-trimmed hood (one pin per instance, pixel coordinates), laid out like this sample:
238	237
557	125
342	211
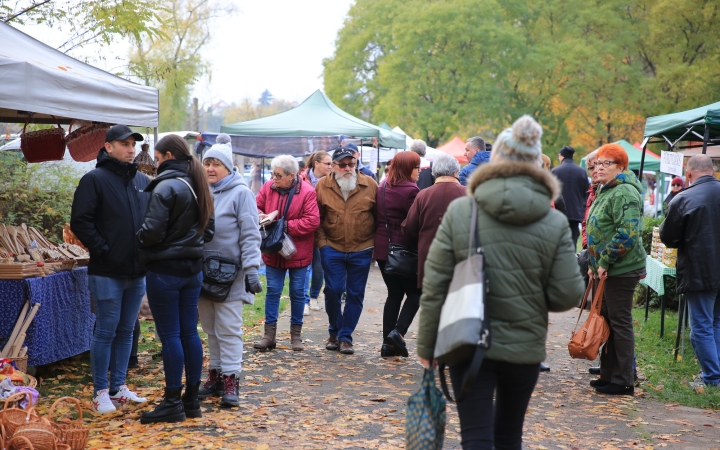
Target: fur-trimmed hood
514	192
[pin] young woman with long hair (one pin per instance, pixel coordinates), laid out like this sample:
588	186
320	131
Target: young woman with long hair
395	196
178	222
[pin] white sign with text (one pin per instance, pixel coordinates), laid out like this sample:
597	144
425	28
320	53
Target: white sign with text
671	162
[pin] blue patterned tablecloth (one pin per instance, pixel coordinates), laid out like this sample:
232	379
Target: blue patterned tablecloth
656	271
63	325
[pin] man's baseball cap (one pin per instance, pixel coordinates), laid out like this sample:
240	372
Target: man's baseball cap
342	153
351	147
120	132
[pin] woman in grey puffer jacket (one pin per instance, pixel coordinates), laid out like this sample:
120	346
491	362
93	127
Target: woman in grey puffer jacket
237	238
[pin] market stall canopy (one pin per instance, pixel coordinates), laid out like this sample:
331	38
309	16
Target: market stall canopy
455	148
37	78
685	125
430	152
316	116
652	161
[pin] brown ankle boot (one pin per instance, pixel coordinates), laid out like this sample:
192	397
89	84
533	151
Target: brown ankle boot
295	340
268	341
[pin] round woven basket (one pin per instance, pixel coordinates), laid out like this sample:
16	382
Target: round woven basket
74	434
39	433
19	443
85	142
43	145
20	362
12	416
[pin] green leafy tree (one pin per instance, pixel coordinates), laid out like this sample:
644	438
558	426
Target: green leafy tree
266	98
173	64
96	22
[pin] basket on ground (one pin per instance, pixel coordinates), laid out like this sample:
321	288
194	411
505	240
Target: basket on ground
72	433
13	416
39	433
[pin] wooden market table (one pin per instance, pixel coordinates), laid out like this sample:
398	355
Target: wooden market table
63	326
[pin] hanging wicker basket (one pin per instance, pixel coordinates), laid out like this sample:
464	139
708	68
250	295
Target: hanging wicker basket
73	434
43	145
85	142
146	163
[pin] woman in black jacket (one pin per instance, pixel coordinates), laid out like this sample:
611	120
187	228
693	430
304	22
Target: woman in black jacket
179	220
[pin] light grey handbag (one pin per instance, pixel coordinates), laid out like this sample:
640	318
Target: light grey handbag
464	330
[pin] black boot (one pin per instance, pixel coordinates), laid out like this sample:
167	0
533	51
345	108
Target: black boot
169	410
213	387
191	402
230	392
397	341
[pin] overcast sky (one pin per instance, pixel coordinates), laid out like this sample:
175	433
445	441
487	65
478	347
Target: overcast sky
277	45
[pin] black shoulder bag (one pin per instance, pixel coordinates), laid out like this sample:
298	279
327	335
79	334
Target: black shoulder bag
401	261
273	234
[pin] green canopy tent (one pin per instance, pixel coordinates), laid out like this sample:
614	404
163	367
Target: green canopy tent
634	157
699	124
316	116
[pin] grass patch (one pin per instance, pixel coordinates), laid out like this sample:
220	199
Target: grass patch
667	381
72	376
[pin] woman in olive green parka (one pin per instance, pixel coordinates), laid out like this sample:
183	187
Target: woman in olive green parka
531	269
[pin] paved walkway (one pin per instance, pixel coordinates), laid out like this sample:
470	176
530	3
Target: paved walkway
325	400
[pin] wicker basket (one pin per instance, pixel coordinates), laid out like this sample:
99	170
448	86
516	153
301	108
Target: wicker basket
13	417
39	433
20	362
85	142
74	433
43	145
19	443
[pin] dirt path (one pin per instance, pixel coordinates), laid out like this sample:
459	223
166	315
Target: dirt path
325	400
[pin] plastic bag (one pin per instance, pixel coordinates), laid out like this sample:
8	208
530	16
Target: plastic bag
425	418
288	249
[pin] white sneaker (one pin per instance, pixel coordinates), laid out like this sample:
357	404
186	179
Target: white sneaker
314	304
125	395
306	312
101	402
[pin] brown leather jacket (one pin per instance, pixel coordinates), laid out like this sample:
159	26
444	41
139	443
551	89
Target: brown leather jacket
347	226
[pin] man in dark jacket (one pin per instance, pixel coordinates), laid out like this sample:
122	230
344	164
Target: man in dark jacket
107	211
575	186
691	227
352	148
477	154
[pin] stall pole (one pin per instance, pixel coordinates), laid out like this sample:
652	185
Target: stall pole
377	170
642	157
706	138
155	137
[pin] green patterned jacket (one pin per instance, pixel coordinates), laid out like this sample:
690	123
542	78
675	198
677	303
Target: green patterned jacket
614	226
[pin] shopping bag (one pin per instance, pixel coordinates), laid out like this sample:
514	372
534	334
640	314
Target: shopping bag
425	418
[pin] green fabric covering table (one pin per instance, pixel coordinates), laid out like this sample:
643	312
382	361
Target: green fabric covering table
655	280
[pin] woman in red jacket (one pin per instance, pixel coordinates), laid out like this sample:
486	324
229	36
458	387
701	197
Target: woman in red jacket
301	221
395	196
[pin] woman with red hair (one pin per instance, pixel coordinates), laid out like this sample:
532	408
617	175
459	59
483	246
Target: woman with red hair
395	196
615	253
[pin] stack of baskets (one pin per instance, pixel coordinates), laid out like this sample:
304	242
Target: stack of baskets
24	429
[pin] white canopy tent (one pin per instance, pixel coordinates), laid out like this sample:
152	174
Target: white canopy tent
39	79
430	152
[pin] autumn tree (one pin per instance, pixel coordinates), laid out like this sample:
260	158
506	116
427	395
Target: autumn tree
96	22
173	63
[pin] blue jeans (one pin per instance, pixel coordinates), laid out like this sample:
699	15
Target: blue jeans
344	272
275	282
174	305
314	281
704	309
117	303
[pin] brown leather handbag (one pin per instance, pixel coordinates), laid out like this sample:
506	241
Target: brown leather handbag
586	343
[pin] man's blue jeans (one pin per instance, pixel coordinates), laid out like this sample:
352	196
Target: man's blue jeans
704	309
315	274
116	302
174	305
275	283
344	272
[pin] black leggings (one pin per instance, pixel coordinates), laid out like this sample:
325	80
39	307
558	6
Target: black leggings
483	424
393	315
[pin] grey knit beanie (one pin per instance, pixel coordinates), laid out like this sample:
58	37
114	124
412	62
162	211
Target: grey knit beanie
521	142
222	151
